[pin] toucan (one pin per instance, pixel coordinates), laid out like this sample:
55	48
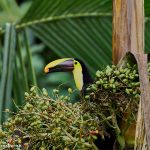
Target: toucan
81	75
82	79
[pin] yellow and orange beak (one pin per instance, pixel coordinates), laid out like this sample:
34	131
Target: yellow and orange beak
60	65
66	65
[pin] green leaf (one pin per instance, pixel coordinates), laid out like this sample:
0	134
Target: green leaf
63	9
147	26
7	70
147	37
11	12
76	28
23	69
29	56
147	8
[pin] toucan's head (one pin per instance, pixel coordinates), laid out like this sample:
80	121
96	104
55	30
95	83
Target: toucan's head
65	65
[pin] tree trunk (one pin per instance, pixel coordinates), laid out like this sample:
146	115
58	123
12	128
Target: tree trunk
128	36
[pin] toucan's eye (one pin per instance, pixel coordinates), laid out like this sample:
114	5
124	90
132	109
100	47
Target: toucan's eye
76	62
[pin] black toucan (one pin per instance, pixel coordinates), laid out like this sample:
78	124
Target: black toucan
81	75
82	78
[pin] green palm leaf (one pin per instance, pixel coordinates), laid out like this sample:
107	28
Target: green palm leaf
147	26
7	70
77	28
147	8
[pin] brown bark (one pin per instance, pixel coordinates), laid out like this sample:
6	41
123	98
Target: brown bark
128	36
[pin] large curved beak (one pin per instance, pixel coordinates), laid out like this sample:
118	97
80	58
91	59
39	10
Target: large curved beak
60	65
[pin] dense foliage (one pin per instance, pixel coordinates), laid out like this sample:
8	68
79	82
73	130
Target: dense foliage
77	28
55	122
47	123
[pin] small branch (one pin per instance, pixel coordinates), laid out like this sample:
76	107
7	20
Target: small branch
119	137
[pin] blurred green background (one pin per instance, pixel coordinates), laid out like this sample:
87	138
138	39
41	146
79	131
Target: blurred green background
35	32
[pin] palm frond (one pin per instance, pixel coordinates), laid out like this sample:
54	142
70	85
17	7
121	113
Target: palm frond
77	28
